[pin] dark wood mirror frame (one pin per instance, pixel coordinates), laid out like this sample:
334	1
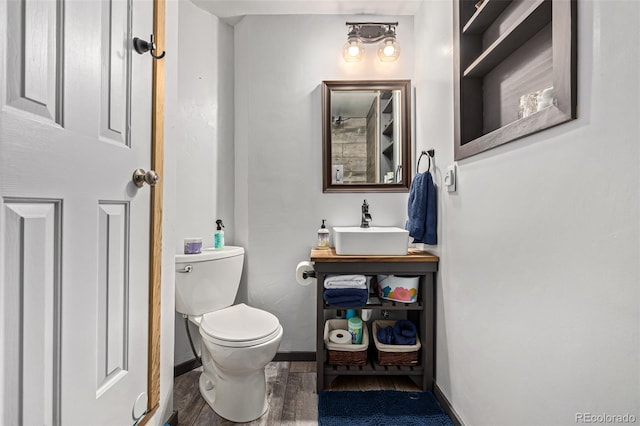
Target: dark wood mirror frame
405	104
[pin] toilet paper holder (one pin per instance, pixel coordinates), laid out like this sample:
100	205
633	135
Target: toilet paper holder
308	274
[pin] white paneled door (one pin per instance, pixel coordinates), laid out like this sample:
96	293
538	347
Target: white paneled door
74	229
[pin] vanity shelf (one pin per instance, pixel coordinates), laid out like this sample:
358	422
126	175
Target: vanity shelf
421	312
387	305
508	52
373	369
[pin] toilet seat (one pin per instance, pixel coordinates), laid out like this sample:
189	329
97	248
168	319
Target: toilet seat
239	326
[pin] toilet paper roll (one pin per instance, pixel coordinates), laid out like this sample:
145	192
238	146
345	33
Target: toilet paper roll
303	267
339	336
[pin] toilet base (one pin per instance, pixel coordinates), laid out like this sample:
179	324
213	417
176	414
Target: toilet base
238	399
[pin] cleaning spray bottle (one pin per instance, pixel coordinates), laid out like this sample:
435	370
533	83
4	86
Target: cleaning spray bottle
323	236
218	236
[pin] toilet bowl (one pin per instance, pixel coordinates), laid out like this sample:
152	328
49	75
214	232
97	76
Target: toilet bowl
233	383
238	341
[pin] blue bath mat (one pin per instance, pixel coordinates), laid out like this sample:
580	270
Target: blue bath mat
377	408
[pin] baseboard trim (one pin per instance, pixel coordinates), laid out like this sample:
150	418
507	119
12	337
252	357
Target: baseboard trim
185	367
295	356
446	406
173	419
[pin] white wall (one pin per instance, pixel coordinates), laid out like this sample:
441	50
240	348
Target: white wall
203	138
204	156
280	64
539	312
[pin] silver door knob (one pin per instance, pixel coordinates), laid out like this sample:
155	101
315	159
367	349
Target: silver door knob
140	177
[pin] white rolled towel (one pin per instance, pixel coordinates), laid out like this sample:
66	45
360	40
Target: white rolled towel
345	281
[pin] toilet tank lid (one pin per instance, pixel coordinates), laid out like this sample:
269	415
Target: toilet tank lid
210	254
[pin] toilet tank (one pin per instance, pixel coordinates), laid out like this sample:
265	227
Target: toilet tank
212	281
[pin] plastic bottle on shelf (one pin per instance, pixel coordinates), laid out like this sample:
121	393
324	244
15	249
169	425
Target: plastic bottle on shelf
323	236
218	236
355	328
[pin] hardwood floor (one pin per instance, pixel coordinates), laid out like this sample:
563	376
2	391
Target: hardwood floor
291	389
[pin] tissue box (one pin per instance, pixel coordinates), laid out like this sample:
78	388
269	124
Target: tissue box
398	288
394	354
345	354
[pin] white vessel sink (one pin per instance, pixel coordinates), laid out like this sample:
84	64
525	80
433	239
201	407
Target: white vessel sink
375	240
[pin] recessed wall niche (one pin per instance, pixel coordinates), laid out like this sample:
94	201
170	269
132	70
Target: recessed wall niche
515	70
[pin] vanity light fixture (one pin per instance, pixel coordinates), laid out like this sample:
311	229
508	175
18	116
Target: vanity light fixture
361	33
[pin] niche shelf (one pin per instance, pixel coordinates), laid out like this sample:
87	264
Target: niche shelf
508	53
532	21
488	11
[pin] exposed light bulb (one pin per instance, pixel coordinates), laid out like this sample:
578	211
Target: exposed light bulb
389	50
353	50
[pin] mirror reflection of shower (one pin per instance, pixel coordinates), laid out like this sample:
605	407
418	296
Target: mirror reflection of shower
338	120
366	135
363	135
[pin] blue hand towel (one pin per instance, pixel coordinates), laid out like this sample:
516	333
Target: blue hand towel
422	210
346	296
404	333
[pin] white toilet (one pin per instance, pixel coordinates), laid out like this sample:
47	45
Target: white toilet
238	340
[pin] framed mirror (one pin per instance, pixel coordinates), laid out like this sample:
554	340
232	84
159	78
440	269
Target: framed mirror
366	136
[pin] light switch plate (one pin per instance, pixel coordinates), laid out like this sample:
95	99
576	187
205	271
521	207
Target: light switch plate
337	173
450	178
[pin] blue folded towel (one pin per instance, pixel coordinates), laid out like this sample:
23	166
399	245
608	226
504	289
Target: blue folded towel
404	333
385	335
422	210
346	296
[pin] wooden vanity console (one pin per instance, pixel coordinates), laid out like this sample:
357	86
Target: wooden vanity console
421	313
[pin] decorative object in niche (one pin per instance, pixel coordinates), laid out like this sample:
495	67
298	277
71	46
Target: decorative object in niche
366	136
534	102
528	104
515	70
545	98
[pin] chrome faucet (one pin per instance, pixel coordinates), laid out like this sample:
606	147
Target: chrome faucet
366	216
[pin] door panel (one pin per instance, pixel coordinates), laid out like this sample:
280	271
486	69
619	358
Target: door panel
116	71
32	309
74	229
113	294
33	55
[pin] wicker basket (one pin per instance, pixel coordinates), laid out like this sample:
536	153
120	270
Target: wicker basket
345	354
394	354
